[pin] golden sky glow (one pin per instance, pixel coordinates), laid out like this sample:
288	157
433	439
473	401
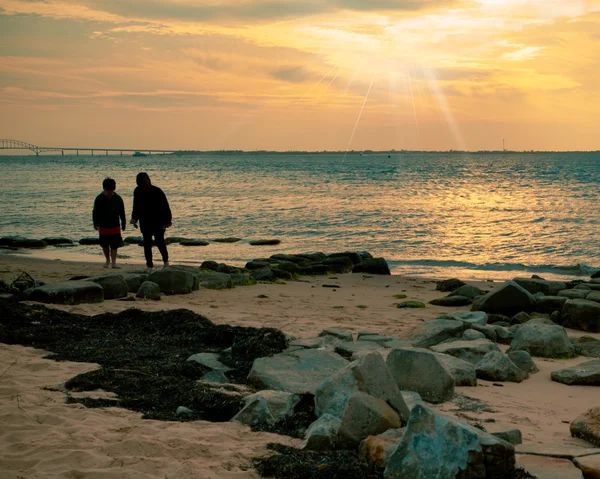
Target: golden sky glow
309	75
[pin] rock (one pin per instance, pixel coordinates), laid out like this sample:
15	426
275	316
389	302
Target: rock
472	335
498	318
451	301
114	285
542	340
68	292
263	274
411	304
573	293
193	242
462	371
421	371
533	285
215	280
581	314
55	240
412	398
134	280
396	344
365	416
354	257
209	361
290	267
372	266
184	412
342	334
210	265
470	318
149	290
314	270
436	446
310	343
593	296
347	348
505	432
583	287
549	304
587	426
468	291
264	242
227	240
508	299
589	466
553	450
368	374
20	242
375	338
548	467
338	265
173	281
298	372
281	404
470	351
255	413
227	269
523	360
378	449
449	285
132	240
495	366
584	374
589	348
322	434
215	377
503	336
89	241
520	318
434	332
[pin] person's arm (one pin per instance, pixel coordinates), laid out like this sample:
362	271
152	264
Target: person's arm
96	213
122	214
135	211
167	209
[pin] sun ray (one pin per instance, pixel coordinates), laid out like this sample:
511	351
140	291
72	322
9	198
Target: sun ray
359	115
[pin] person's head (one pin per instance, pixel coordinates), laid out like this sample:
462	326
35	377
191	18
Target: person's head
142	179
109	186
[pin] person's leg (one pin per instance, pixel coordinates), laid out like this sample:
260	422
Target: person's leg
148	247
113	257
159	235
106	251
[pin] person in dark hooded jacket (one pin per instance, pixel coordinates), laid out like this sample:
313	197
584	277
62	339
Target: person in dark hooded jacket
151	209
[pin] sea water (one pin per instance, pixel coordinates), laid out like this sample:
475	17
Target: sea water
485	216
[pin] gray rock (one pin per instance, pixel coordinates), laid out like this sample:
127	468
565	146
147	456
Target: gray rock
589	465
68	292
549	304
134	280
342	334
215	377
227	240
368	374
114	285
554	450
449	284
573	293
436	446
412	398
533	285
507	299
264	274
472	335
90	240
264	242
489	332
587	426
495	366
470	318
298	372
209	361
173	281
396	344
148	290
462	371
505	432
183	411
542	340
421	371
322	434
378	449
281	404
453	301
216	280
193	242
372	266
468	291
503	335
589	347
57	240
520	318
583	287
470	351
365	416
434	332
581	314
522	359
310	343
593	296
255	413
348	348
375	338
548	467
584	374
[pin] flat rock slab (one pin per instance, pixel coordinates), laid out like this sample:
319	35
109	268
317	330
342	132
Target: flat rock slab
552	450
68	292
548	467
589	465
298	372
584	374
308	343
348	348
587	426
434	332
470	351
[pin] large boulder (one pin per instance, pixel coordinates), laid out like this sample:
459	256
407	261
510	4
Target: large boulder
542	340
573	293
584	374
174	281
549	304
322	434
365	416
581	314
68	292
462	371
522	359
342	334
434	332
436	446
496	366
420	370
368	374
298	372
341	264
587	426
114	285
536	285
470	351
508	299
372	266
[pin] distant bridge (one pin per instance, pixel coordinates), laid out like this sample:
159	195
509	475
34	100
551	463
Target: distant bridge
6	144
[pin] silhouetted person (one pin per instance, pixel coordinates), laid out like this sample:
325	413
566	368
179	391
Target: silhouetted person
108	210
151	209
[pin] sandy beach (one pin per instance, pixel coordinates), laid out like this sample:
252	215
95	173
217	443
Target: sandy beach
41	436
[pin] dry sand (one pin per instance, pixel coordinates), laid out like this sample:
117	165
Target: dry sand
41	436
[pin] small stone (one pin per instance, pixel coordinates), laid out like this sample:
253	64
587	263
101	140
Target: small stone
184	412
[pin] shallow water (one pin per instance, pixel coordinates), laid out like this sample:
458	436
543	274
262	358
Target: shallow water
469	215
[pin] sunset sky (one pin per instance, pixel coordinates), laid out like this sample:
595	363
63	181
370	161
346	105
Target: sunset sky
302	75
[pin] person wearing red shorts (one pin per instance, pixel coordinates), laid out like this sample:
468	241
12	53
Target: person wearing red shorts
108	212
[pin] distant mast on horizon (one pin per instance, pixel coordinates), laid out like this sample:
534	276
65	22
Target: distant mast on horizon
503	148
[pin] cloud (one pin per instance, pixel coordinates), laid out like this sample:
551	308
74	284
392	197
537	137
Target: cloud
296	74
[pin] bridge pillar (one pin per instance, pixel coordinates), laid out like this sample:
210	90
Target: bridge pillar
121	153
106	152
62	152
77	152
92	151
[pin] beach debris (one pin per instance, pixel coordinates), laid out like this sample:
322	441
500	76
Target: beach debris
420	370
470	351
434	332
495	366
548	467
583	315
541	338
584	374
461	371
148	290
411	304
508	299
587	426
523	360
68	292
174	281
472	335
449	285
114	285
